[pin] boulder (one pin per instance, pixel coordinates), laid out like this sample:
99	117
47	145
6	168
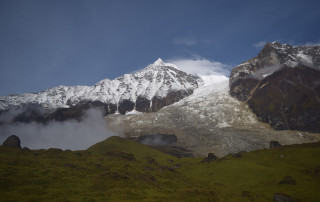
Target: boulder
279	197
274	144
211	157
12	141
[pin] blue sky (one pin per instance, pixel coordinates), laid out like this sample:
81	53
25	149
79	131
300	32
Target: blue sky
44	43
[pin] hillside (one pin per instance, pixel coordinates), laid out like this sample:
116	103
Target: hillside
121	170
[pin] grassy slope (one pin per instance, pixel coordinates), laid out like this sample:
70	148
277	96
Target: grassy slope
105	172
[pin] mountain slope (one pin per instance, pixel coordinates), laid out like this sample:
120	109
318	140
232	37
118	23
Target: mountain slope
150	89
281	85
209	120
270	59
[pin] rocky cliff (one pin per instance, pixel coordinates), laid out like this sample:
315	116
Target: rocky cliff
282	86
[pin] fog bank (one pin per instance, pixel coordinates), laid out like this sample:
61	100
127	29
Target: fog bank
70	134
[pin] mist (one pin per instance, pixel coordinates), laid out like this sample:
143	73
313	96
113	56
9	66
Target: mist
70	134
26	109
158	140
201	66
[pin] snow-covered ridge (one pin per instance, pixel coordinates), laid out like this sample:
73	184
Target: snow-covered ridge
274	55
156	80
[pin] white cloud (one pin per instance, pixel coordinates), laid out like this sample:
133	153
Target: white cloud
201	66
260	44
311	44
186	41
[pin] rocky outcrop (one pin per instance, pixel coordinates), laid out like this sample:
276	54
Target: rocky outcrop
143	104
172	97
281	85
12	141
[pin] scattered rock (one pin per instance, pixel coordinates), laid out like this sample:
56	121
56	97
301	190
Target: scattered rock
12	141
274	144
211	157
279	197
288	180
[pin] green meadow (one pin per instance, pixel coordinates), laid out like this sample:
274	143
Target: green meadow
123	170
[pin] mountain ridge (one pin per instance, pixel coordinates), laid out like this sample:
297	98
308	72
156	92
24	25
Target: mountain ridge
149	89
281	86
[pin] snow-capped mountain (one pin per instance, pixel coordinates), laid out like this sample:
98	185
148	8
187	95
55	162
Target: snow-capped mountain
281	85
275	55
150	89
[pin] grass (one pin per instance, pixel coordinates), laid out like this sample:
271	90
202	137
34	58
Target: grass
124	170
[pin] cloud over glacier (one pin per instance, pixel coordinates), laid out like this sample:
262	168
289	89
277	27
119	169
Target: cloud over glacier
201	66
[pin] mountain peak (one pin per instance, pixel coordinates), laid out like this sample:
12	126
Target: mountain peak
145	90
159	62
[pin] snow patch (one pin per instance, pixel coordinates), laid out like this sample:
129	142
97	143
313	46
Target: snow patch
133	112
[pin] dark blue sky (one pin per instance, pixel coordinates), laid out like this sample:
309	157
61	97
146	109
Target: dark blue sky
49	43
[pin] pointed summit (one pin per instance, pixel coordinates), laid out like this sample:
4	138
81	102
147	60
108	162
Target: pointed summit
159	62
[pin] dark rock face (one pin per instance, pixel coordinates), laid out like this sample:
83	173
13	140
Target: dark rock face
281	85
25	113
274	144
279	197
242	87
172	97
12	141
143	104
289	99
125	106
77	111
